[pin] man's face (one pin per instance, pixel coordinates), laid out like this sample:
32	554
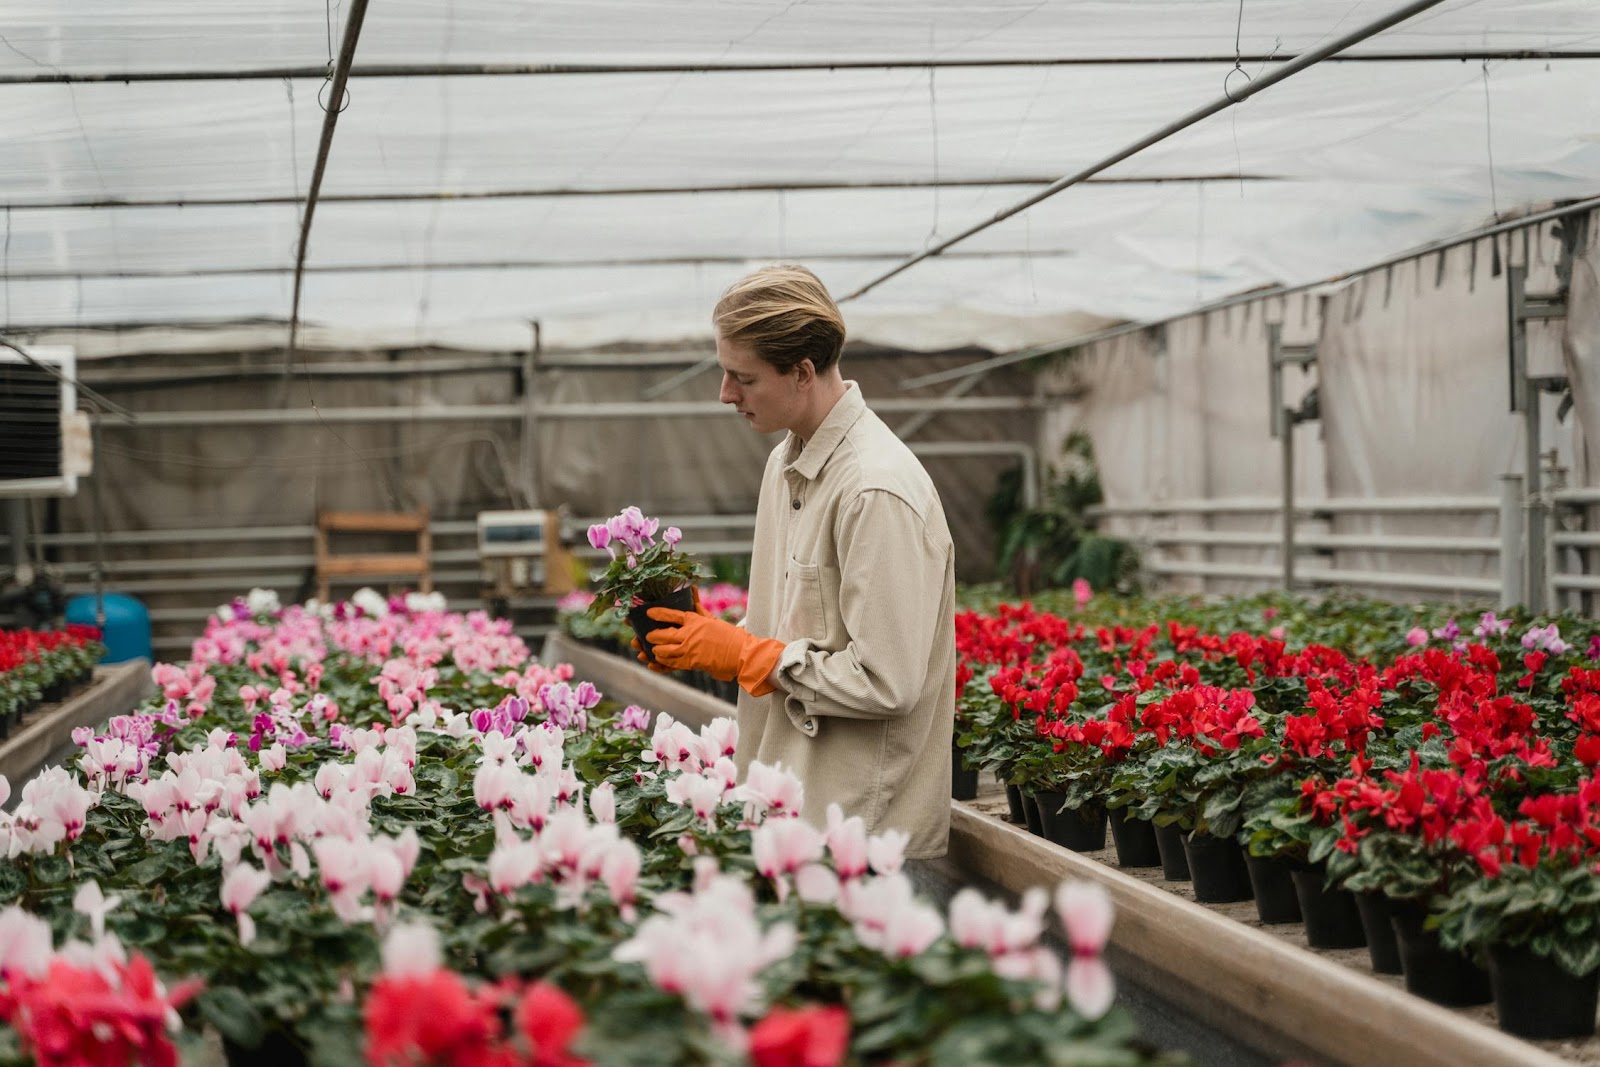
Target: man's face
768	399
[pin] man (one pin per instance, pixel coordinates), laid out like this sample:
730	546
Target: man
846	655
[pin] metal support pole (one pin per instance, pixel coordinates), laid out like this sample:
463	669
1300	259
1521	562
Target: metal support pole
1534	507
1287	548
17	526
530	421
1512	564
99	570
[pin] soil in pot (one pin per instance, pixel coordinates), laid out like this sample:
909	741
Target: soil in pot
1174	861
1030	815
1014	803
963	781
1536	998
1216	864
643	624
1432	971
1080	829
1273	889
1331	918
1373	906
1135	840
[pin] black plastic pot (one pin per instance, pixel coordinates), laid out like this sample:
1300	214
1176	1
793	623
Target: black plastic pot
1174	861
1080	829
1273	889
1014	802
275	1050
963	782
1373	906
1135	840
1030	815
1432	971
1536	998
643	624
1331	918
1216	864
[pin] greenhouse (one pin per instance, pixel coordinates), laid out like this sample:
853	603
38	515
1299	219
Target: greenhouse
800	533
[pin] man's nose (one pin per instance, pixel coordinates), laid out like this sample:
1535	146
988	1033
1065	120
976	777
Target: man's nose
727	394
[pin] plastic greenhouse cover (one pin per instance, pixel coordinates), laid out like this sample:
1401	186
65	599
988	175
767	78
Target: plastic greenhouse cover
1340	165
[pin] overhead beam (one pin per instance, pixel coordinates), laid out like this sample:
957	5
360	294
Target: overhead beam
633	190
1278	291
507	264
484	70
501	412
1222	103
330	118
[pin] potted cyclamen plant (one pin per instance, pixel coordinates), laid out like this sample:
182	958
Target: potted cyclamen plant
647	573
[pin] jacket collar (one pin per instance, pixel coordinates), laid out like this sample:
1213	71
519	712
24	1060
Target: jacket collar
835	425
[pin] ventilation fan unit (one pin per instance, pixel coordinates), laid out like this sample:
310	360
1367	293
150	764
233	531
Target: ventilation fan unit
44	440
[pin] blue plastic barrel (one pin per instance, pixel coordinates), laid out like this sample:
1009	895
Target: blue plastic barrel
127	625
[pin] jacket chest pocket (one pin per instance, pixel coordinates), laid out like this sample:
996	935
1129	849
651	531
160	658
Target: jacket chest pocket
802	615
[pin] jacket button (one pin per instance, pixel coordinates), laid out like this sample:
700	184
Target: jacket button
795	503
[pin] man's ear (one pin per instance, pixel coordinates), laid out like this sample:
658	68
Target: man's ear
805	373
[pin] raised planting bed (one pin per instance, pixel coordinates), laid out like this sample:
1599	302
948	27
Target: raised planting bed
389	836
46	732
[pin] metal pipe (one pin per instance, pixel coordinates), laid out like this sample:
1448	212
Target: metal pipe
1306	544
792	186
1331	506
986	365
130	380
1021	449
501	264
481	70
17	523
1382	579
1511	534
1286	448
330	118
1227	100
502	412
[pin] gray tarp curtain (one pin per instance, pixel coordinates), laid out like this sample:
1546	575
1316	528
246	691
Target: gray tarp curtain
1414	400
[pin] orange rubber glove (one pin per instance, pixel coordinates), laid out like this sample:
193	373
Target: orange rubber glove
721	649
656	665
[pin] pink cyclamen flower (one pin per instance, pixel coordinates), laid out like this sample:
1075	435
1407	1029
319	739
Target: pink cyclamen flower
411	950
783	846
1086	915
1082	592
600	537
847	843
603	802
672	536
240	887
1416	637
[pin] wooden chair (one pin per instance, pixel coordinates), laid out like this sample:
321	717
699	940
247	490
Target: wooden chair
418	564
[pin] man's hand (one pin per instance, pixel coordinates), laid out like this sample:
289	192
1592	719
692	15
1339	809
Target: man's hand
721	649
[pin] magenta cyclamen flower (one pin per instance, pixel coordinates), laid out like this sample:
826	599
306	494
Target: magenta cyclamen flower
1448	632
635	718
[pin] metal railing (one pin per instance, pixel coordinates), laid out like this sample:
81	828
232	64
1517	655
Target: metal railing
1152	539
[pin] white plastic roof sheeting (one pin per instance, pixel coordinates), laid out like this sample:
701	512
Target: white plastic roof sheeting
1342	164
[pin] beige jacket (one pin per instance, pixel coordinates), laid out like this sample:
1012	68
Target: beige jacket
853	569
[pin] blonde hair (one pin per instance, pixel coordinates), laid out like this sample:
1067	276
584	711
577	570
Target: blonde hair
785	315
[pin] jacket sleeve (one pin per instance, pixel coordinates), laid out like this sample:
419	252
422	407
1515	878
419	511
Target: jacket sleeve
892	578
